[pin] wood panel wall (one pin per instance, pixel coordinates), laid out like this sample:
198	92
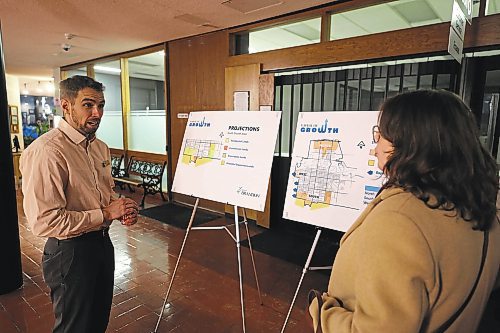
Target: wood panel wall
242	78
196	83
266	97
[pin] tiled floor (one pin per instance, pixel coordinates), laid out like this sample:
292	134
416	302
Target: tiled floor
205	293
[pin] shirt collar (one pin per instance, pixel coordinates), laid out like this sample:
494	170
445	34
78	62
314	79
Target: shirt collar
71	132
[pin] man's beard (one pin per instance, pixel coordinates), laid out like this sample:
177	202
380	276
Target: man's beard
89	132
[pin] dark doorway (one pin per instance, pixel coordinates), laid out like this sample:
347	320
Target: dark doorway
484	91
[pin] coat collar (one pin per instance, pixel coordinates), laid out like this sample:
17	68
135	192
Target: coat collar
378	199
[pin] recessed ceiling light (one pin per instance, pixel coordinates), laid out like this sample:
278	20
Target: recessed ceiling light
108	69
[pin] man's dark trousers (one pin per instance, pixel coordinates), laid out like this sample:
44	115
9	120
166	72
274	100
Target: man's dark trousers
80	274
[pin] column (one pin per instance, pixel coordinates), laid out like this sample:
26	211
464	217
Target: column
11	277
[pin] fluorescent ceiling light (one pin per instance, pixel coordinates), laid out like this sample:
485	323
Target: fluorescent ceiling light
108	69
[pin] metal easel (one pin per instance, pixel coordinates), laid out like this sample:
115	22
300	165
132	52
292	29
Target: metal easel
236	239
304	271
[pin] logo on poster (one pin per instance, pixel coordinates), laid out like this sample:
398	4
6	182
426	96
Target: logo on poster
243	191
199	123
315	128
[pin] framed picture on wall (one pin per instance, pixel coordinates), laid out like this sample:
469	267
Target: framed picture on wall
13	118
241	100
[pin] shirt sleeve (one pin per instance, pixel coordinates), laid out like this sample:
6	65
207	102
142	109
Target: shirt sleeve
111	180
45	176
391	284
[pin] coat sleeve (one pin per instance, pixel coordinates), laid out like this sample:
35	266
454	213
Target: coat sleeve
395	270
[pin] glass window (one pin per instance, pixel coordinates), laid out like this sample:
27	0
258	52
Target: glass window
317	96
295	113
306	97
147	103
287	35
394	83
277	107
352	89
277	98
77	71
489	109
111	128
352	95
391	16
329	96
339	105
409	83
492	7
285	120
410	77
378	93
425	81
364	102
443	81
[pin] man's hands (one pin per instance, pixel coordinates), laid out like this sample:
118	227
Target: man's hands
124	209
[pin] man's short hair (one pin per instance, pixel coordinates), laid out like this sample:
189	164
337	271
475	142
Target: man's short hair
70	87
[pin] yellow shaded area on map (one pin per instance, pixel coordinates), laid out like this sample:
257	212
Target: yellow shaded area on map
325	146
319	205
189	156
201	161
211	150
303	200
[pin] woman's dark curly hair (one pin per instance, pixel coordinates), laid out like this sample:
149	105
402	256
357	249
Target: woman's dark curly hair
437	154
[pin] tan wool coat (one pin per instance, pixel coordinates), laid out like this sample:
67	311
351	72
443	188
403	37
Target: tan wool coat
403	267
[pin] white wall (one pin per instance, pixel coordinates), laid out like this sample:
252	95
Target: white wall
14	98
57	102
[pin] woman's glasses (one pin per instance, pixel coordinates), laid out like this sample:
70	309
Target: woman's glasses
376	134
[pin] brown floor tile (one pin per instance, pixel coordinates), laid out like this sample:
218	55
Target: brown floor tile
205	295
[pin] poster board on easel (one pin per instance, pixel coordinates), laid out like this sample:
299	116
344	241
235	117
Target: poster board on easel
334	173
227	157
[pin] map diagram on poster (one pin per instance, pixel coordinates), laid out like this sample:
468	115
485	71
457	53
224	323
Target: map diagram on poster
201	151
226	156
334	172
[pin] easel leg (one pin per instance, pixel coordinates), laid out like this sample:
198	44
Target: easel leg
177	265
238	248
251	255
304	271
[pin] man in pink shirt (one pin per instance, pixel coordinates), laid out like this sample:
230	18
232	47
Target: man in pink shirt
69	198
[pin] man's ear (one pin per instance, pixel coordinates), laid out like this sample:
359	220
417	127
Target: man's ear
65	106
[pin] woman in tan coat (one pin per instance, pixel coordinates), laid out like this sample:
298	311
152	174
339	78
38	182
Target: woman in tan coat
411	260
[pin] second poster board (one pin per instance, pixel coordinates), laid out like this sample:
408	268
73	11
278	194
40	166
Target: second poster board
226	156
334	172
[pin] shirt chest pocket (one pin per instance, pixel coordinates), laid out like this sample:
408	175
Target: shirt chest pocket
104	173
